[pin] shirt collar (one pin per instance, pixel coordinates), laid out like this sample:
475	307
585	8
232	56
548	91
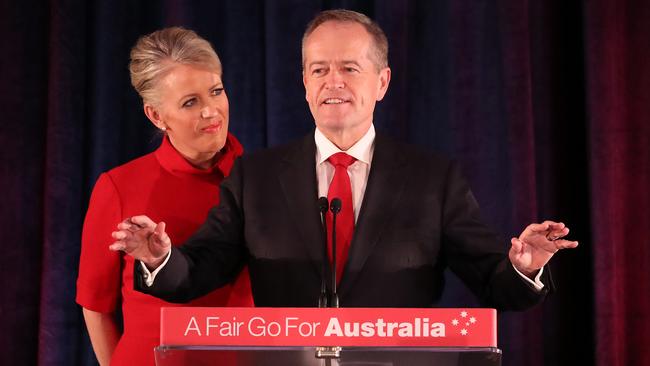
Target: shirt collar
172	161
361	150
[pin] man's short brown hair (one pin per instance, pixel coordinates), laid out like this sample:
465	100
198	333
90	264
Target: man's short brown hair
379	51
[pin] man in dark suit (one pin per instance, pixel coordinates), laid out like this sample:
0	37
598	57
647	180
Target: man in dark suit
406	215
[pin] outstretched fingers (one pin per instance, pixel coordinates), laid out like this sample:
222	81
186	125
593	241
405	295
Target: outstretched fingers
131	233
565	244
121	236
517	245
160	236
142	221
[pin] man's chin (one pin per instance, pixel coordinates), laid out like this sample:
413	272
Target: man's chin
333	123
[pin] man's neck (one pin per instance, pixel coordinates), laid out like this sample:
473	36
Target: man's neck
345	139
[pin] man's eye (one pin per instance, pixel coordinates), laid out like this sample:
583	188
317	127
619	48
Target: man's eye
217	91
351	69
317	71
189	103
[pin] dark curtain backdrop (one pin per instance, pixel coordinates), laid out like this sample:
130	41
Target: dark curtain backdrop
542	102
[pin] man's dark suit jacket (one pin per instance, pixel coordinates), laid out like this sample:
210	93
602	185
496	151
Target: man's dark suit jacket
418	217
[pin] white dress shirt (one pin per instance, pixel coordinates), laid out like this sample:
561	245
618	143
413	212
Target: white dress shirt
358	171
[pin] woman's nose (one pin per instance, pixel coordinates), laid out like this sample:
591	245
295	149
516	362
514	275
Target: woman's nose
208	111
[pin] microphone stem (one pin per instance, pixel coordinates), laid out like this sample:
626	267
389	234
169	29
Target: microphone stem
322	300
334	303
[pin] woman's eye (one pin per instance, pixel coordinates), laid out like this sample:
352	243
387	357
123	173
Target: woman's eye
217	91
189	103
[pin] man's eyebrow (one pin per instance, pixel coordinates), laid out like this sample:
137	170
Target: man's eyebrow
316	63
346	62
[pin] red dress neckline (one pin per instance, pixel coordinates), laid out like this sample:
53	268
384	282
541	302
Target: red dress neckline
171	160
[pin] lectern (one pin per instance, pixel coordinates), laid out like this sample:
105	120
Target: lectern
350	336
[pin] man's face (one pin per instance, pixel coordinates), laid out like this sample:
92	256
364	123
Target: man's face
342	84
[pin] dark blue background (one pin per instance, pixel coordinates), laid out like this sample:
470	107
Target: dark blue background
529	96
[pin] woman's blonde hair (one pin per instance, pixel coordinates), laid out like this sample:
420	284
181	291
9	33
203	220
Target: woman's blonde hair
155	54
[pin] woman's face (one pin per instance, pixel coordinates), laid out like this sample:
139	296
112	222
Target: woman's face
193	108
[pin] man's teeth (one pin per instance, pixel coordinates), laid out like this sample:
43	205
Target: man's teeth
333	101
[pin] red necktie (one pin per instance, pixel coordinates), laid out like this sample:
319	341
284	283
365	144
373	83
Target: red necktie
340	188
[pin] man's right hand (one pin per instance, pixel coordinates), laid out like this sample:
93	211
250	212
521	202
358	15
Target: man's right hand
143	239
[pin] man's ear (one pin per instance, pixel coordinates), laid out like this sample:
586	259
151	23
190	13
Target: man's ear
304	83
384	80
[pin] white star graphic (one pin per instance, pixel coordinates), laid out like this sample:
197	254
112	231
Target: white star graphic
472	320
454	322
463	331
463	314
467	324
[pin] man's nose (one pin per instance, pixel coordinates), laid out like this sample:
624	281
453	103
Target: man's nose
334	80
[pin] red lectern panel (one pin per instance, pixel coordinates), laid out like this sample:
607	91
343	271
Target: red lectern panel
289	336
328	327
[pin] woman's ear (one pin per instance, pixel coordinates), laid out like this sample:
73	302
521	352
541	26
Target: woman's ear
154	116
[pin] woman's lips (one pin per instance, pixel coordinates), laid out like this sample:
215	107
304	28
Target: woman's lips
212	128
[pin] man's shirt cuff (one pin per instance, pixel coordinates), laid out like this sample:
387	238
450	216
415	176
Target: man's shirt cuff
537	283
150	276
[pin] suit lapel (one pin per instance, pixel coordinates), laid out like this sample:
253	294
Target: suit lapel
298	181
383	192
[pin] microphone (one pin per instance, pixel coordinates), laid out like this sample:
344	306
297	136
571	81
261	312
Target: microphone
323	205
335	207
329	352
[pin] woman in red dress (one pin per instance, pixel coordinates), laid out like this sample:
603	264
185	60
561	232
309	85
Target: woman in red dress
178	76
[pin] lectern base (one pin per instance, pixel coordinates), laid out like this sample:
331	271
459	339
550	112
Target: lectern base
349	356
328	352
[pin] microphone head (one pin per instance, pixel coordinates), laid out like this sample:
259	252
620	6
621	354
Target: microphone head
335	205
323	204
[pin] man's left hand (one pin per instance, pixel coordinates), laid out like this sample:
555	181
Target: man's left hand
537	244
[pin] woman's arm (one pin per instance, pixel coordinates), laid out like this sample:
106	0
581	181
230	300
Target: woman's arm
104	334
